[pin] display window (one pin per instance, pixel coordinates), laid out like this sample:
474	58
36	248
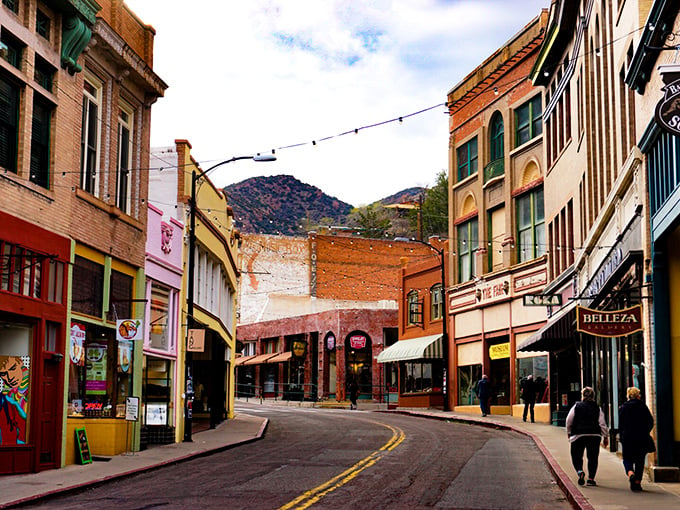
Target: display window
421	376
15	383
537	366
157	390
100	372
468	376
160	332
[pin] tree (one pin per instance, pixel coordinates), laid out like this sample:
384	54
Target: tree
374	220
435	208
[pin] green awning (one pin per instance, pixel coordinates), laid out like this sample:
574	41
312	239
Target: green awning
424	347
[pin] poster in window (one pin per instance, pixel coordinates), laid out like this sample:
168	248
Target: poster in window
124	356
156	414
77	347
95	382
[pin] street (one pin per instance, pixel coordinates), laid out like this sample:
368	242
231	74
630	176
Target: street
346	459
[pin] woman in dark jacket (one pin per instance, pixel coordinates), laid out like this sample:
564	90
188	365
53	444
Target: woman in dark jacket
635	424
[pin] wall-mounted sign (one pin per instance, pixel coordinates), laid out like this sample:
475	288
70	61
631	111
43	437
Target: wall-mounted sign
609	323
330	341
357	341
667	112
196	340
299	348
542	300
129	329
499	351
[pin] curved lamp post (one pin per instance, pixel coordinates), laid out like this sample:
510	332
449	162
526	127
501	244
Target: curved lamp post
191	263
445	317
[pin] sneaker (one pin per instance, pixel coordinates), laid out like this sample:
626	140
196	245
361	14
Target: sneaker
581	478
631	479
591	482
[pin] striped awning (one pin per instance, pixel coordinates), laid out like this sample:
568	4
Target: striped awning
258	360
242	360
555	334
281	357
424	347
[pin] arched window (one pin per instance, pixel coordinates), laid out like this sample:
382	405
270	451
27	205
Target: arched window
496	137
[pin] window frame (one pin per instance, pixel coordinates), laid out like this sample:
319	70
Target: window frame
412	304
436	302
470	164
533	125
465	249
537	247
40	145
124	161
10	124
496	137
90	141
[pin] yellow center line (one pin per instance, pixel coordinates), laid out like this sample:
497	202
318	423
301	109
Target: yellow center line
311	496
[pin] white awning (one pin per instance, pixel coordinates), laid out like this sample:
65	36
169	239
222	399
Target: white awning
414	348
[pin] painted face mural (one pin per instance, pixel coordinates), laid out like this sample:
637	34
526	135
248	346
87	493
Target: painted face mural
14	379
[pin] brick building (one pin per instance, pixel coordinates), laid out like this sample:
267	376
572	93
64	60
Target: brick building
77	86
497	226
333	296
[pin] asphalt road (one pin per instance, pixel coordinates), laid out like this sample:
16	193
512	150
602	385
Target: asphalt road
340	459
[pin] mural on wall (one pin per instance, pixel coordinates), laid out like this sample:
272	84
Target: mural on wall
14	386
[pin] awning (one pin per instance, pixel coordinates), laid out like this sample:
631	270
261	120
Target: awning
281	357
414	348
558	331
242	360
258	360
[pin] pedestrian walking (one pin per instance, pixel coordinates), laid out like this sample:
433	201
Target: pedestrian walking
635	425
484	394
586	427
353	394
529	390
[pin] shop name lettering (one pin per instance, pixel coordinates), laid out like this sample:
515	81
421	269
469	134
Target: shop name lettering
494	291
614	318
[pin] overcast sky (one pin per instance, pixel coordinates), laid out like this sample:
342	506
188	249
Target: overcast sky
249	76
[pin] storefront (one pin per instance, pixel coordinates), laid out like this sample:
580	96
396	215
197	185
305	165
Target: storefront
33	328
105	362
163	269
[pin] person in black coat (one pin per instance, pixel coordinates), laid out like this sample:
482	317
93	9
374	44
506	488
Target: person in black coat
529	390
635	424
484	394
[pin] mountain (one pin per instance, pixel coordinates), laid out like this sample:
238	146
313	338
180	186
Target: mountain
281	204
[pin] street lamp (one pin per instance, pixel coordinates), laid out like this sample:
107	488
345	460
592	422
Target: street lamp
445	341
191	262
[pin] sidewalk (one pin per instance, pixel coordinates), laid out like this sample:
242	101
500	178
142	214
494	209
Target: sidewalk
23	489
612	491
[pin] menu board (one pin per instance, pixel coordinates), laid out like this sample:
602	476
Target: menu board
83	446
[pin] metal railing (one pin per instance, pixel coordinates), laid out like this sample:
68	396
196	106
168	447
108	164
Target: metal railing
494	169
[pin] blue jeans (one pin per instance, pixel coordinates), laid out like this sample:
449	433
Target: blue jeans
636	464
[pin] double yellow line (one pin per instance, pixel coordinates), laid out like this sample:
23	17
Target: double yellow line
313	495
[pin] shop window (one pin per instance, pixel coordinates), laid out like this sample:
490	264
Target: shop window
156	391
538	367
468	376
120	296
422	376
40	143
100	373
436	302
160	332
9	121
531	225
15	383
88	287
467	159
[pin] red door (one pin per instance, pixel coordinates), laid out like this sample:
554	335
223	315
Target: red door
50	419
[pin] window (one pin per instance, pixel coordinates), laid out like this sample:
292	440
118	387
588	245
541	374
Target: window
12	5
40	143
496	137
421	376
42	24
531	225
120	296
22	271
415	312
161	331
11	49
43	73
528	120
467	238
124	159
467	159
468	376
90	137
9	119
436	302
88	287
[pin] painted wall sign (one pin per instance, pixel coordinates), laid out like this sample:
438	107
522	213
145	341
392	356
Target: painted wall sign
609	323
357	341
667	112
499	351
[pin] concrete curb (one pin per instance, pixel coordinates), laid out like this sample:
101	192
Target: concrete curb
96	482
574	496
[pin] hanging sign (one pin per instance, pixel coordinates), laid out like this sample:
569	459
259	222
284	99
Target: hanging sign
667	112
609	323
129	329
357	341
196	340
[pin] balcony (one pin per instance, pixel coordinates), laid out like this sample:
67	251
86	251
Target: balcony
494	169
